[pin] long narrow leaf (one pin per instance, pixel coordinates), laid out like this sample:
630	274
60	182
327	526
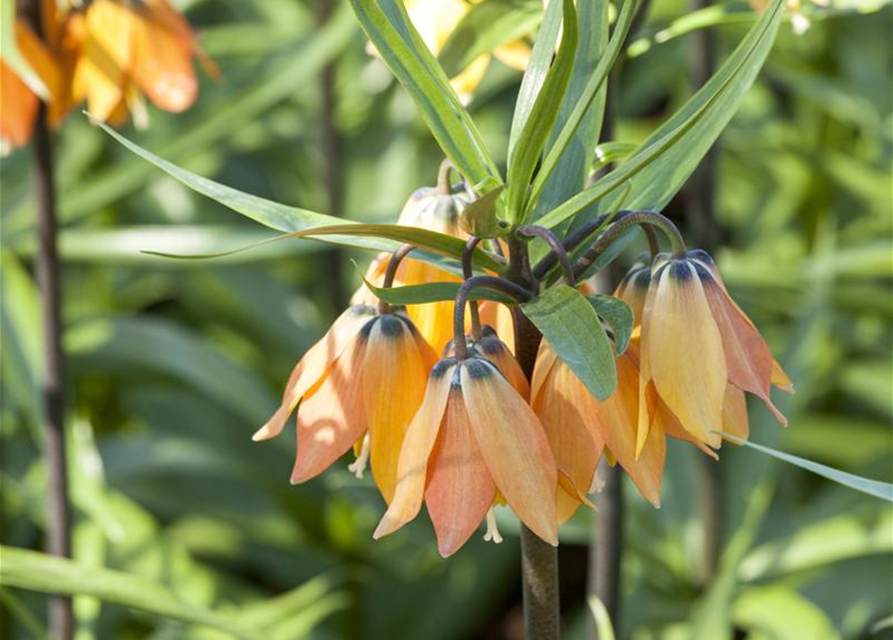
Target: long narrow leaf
594	87
390	30
25	569
535	75
666	159
542	116
882	490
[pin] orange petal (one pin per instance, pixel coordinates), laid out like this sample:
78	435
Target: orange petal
308	374
418	443
375	275
495	351
460	488
734	413
514	446
19	108
748	357
564	407
616	420
780	379
682	351
333	418
499	316
162	63
394	376
633	290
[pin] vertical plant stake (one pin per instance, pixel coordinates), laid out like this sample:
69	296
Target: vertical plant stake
504	388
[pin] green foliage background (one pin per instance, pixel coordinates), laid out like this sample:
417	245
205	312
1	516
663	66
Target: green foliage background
173	364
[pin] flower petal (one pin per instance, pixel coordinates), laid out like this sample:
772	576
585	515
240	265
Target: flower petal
734	413
494	350
421	436
564	407
460	488
682	350
748	357
308	374
616	419
395	373
332	419
514	446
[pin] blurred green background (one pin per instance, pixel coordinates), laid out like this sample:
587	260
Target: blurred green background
173	364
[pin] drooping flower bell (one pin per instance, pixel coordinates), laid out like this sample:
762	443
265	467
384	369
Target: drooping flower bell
127	49
473	436
580	428
700	352
367	374
435	209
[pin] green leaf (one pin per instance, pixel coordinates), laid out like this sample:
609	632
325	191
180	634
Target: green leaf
782	614
433	292
569	322
486	26
479	219
535	75
400	46
592	94
617	314
25	569
268	213
603	626
664	161
538	125
882	490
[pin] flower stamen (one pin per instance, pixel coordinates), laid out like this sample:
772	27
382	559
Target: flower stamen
492	534
358	466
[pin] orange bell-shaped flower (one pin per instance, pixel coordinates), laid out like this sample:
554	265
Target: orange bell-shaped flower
367	374
474	435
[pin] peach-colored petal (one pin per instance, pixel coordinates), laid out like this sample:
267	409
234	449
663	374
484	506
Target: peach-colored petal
616	420
633	290
734	413
374	274
395	373
162	62
495	351
418	443
311	370
564	407
542	368
748	358
513	445
460	488
780	379
333	418
682	351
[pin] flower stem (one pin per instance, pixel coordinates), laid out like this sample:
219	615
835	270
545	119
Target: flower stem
617	229
492	282
467	273
401	252
539	559
58	530
536	231
444	187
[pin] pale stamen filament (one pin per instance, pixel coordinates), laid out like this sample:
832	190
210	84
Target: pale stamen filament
358	466
492	534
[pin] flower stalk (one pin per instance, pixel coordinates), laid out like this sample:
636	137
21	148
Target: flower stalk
393	264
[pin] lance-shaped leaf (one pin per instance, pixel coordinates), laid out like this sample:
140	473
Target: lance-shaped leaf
658	169
433	292
567	157
486	26
479	219
301	223
882	490
618	316
526	153
400	46
569	322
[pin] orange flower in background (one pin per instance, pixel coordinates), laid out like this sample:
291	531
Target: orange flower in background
700	352
19	102
108	53
367	374
473	436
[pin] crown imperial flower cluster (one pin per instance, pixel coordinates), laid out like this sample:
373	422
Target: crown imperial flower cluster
440	407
